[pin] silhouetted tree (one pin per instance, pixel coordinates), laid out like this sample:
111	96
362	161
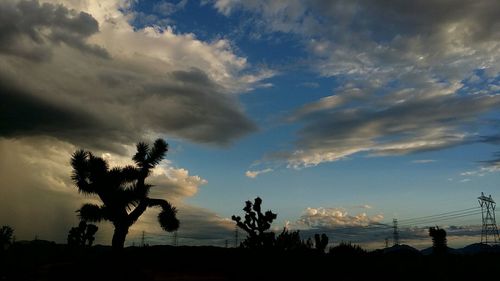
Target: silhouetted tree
122	190
438	240
321	242
5	237
82	235
255	224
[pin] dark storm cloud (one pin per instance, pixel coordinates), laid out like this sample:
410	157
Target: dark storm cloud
51	86
205	114
190	108
389	18
27	28
448	112
21	113
412	126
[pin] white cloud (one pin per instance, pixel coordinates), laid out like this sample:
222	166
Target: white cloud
423	161
254	174
334	217
481	171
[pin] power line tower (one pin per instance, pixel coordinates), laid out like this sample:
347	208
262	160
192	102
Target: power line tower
395	232
489	232
236	233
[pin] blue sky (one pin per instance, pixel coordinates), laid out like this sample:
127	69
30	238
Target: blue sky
342	107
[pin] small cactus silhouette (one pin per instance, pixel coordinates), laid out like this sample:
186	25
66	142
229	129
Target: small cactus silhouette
256	224
321	242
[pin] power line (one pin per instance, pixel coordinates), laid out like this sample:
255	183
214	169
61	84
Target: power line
441	218
438	215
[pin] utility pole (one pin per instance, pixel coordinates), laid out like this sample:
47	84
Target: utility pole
236	236
142	239
489	231
395	232
175	238
386	242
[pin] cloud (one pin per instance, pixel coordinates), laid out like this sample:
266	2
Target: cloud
78	74
481	171
254	174
420	124
339	225
166	8
423	161
365	206
404	73
36	196
96	81
333	218
42	27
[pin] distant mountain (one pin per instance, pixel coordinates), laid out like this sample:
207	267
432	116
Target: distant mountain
401	250
478	248
429	251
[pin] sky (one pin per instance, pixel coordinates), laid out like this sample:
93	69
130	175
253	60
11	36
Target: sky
341	115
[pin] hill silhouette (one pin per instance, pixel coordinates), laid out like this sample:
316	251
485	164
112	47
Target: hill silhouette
44	260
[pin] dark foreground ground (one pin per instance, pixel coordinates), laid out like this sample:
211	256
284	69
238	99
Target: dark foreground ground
56	262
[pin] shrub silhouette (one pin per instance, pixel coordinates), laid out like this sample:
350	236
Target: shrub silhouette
122	190
290	241
5	237
346	250
82	235
255	225
438	240
320	242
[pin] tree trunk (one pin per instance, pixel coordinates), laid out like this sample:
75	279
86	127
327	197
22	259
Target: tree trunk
119	237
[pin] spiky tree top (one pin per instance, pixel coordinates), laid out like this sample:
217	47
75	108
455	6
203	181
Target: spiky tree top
122	190
256	222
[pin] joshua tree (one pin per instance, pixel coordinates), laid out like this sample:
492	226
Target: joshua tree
122	190
438	240
255	224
